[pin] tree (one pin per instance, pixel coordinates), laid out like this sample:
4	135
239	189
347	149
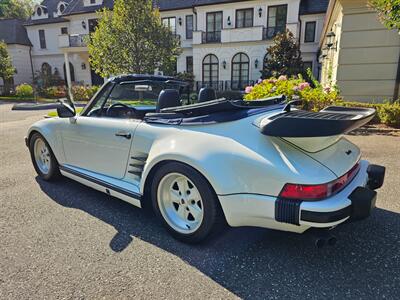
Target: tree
132	39
19	9
388	11
283	57
6	68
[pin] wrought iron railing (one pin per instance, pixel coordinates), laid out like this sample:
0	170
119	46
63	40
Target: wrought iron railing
78	40
211	37
271	32
226	85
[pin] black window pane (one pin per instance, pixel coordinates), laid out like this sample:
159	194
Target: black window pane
189	64
309	35
244	18
42	39
189	27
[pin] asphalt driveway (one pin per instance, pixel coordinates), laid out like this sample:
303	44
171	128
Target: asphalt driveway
64	240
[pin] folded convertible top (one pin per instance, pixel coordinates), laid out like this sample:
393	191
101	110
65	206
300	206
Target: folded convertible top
215	111
331	121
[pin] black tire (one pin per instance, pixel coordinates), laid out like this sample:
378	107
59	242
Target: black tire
212	212
54	171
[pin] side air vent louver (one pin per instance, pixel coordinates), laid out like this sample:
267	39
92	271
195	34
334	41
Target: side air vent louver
136	165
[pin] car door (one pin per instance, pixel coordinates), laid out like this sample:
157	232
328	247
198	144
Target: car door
97	143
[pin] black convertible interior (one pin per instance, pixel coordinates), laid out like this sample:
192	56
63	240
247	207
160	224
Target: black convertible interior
134	99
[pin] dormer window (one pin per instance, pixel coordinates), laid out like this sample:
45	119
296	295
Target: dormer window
40	12
61	8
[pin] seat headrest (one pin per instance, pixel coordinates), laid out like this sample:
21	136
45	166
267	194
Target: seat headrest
207	94
168	98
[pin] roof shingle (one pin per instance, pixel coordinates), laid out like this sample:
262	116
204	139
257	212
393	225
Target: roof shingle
308	7
12	31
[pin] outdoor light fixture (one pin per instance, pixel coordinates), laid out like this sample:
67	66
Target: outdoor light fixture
83	66
324	52
229	21
260	12
224	64
256	63
330	39
83	24
180	21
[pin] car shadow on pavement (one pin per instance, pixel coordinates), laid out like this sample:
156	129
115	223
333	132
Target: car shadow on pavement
256	263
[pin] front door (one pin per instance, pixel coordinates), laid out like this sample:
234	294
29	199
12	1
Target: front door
97	142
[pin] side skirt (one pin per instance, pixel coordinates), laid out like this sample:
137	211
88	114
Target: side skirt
110	186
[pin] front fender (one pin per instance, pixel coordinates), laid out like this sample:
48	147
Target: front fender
49	129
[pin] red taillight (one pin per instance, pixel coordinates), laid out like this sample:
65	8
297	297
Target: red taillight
318	191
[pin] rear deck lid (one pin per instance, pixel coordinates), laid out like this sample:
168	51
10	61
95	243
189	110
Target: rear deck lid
315	131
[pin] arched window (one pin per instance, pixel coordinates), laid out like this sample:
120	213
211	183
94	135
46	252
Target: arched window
46	69
240	71
39	11
71	71
210	69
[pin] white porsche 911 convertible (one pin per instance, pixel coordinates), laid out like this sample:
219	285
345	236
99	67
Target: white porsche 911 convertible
256	163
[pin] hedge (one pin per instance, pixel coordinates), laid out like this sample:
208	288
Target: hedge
386	113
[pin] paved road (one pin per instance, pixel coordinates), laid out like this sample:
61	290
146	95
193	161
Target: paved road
64	240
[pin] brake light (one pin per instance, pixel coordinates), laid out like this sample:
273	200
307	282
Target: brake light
318	191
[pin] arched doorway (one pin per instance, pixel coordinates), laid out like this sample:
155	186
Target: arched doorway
46	69
240	71
71	71
211	70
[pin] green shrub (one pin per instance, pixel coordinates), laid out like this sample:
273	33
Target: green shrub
386	113
55	92
389	113
24	91
315	97
83	93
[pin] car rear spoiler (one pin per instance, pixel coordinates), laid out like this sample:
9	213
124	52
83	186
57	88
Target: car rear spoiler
333	120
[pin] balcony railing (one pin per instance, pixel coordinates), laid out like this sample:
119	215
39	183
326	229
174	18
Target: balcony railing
73	40
211	37
271	32
78	40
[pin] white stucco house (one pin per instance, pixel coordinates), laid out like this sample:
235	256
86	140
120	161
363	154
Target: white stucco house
13	33
359	54
224	41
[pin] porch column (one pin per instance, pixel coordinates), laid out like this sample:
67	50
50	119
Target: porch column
68	74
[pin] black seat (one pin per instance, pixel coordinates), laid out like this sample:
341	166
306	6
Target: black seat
168	98
207	94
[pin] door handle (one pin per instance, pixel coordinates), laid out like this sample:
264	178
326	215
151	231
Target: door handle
124	134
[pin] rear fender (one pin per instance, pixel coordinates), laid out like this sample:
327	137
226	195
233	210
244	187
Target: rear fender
232	168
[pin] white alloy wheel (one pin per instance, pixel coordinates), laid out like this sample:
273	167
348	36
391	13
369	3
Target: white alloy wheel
180	203
42	156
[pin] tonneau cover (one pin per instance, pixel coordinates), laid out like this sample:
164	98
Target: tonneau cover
216	111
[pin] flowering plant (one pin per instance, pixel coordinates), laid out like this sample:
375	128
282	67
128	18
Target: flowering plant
315	97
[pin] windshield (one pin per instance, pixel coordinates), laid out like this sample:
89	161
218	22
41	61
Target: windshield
139	93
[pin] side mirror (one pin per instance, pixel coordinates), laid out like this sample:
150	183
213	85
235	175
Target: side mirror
64	110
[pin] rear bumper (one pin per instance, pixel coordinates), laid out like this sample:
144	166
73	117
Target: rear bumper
355	201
